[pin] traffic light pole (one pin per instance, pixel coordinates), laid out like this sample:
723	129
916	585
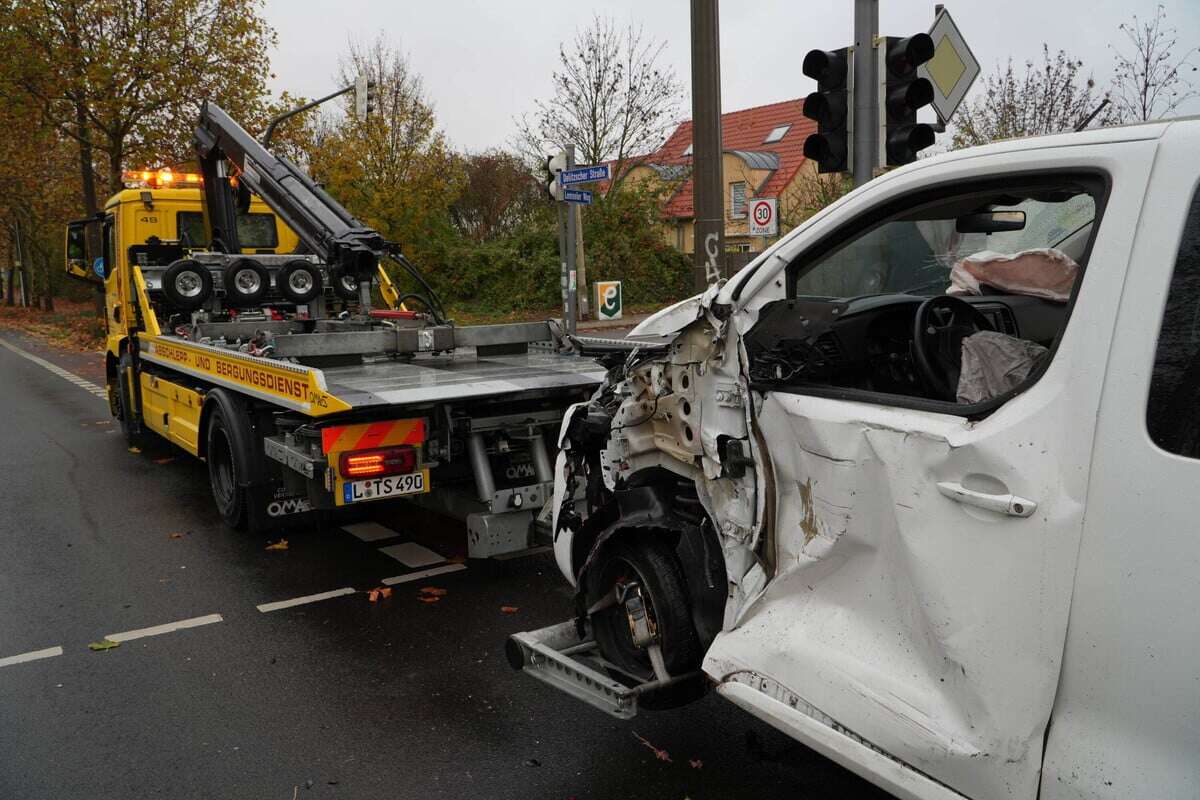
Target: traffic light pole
569	266
866	90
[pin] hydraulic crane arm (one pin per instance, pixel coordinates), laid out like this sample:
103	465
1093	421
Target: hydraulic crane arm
322	224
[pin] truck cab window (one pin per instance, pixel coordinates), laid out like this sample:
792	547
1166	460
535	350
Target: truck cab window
255	230
1172	415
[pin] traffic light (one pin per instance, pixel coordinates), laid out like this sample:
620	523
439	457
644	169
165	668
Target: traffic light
829	106
554	165
904	93
364	97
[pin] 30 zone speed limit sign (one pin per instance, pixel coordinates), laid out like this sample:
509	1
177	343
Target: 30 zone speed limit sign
764	221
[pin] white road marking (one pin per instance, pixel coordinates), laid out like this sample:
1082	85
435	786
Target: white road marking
299	601
412	555
369	531
425	573
49	652
83	383
169	627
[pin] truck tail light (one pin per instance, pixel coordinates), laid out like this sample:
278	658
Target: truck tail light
378	462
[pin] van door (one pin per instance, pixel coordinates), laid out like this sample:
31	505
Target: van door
924	559
1126	721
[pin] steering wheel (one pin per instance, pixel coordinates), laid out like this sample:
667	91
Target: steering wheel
941	324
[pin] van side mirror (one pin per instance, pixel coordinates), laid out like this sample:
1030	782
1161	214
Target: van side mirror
990	222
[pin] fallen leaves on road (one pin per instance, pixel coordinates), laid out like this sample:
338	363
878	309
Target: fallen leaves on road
696	763
660	754
381	592
135	450
103	644
430	594
280	545
176	536
166	460
510	609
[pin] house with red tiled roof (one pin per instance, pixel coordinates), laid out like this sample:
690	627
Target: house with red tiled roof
763	158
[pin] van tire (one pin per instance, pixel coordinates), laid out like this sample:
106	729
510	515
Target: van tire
246	282
651	561
291	278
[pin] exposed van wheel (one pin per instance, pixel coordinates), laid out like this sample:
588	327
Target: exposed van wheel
246	282
648	566
187	284
226	468
299	281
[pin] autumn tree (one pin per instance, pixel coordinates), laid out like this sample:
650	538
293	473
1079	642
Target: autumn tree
392	170
124	78
1049	97
1151	78
613	99
498	194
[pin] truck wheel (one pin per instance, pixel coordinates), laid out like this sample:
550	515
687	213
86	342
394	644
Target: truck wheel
345	284
299	281
187	284
132	430
650	563
246	282
225	470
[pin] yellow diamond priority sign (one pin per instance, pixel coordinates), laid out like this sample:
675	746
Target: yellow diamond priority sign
953	67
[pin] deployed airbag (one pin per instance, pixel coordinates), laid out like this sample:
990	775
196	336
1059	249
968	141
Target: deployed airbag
993	363
1046	272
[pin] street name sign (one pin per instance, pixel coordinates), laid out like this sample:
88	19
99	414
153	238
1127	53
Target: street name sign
577	196
577	175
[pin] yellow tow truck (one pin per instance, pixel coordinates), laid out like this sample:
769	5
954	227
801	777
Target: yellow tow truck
242	327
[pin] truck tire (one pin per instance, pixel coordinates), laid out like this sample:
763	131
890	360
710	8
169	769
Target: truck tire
187	284
228	465
651	562
345	284
299	281
246	282
131	428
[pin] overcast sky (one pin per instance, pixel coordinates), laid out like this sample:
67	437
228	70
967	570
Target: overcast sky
485	62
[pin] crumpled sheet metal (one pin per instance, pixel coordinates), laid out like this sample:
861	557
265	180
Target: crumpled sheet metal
993	363
873	614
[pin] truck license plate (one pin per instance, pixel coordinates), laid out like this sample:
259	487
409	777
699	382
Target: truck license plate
379	488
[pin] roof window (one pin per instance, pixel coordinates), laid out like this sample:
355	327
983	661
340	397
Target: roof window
777	133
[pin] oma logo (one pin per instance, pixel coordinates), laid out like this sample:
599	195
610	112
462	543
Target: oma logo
290	505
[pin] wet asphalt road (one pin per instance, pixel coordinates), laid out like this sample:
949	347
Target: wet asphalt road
342	698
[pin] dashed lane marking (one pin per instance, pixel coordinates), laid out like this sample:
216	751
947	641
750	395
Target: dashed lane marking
169	627
82	383
370	531
425	573
34	655
299	601
412	555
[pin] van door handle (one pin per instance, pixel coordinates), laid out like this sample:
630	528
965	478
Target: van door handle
1009	504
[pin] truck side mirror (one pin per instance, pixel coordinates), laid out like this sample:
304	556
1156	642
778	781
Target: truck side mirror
77	263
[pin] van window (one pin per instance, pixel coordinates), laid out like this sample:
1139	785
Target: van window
256	231
1172	411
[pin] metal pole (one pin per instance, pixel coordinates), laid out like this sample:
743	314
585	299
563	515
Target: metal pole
569	265
266	140
866	90
708	197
